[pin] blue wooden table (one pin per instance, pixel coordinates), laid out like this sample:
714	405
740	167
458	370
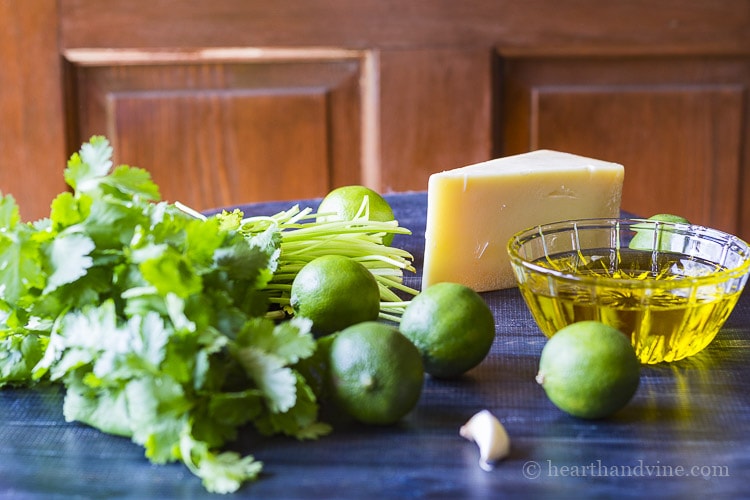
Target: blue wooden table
686	433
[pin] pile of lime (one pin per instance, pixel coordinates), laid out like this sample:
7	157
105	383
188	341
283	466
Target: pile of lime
374	370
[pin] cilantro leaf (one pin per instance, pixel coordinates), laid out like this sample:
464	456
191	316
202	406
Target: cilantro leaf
19	352
65	210
222	473
300	421
273	378
78	341
290	340
87	167
20	267
158	412
9	213
265	350
219	416
111	223
170	272
132	181
69	259
103	408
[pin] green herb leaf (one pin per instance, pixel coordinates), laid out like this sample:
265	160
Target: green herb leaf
19	352
20	266
69	259
133	182
87	167
221	473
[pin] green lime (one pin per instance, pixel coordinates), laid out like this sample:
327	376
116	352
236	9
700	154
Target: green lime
452	327
589	369
334	292
669	218
376	373
644	235
344	203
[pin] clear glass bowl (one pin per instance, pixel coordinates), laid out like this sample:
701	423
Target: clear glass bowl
668	286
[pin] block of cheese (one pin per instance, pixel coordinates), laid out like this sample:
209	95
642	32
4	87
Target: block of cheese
473	211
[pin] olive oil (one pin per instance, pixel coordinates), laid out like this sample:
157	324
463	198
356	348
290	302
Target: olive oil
656	304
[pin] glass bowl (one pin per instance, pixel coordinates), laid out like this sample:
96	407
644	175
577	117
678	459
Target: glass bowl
668	286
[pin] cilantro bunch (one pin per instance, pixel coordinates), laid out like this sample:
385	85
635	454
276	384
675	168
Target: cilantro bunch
155	321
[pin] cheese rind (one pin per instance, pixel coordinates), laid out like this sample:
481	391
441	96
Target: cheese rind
473	211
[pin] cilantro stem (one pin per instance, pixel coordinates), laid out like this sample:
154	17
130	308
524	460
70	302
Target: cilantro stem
303	236
190	211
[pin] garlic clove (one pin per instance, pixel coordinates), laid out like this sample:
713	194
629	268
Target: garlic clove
489	435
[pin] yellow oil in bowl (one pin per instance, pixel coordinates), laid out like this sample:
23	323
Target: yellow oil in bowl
664	323
670	303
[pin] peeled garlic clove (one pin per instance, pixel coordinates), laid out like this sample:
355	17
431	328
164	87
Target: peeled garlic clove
490	435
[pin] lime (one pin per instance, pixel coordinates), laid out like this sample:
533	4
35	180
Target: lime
669	218
452	327
334	292
376	373
344	203
644	237
589	369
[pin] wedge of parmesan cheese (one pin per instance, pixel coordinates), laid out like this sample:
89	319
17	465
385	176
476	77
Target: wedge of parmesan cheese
473	211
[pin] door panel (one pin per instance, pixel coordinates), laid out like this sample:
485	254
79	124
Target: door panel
224	133
681	143
228	148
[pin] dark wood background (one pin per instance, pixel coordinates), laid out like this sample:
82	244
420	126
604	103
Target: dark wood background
236	101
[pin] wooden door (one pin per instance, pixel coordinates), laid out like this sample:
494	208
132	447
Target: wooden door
234	101
32	125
